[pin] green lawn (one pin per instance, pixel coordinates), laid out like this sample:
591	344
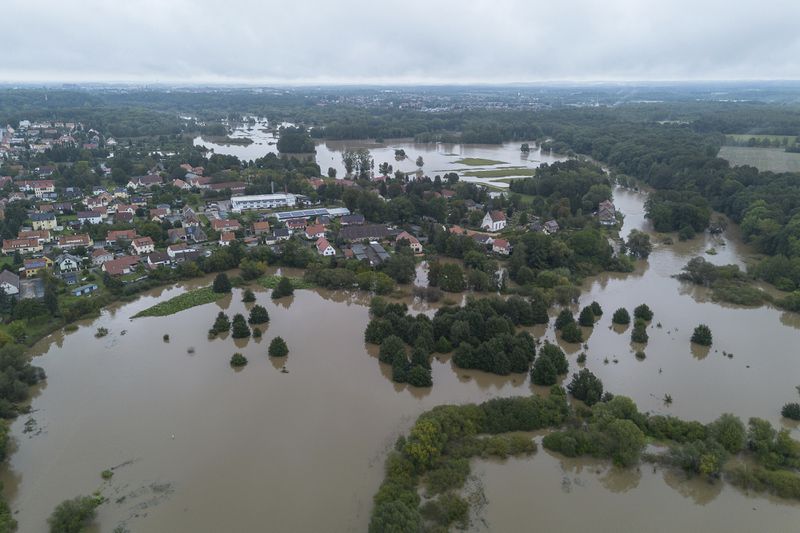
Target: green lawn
478	162
501	172
765	159
181	302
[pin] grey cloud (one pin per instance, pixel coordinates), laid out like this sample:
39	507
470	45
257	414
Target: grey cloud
390	41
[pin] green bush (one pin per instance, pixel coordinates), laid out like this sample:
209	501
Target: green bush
221	283
572	333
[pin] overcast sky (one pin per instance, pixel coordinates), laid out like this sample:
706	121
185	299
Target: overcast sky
390	41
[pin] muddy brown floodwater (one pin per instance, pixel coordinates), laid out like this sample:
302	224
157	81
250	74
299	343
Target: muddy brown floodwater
198	446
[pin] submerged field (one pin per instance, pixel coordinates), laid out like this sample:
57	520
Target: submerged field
771	159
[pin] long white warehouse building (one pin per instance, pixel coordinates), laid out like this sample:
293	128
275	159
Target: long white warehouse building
262	201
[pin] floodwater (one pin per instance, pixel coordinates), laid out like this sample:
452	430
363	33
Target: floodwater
438	158
198	446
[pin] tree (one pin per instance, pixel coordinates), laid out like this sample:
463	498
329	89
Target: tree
626	442
638	244
222	324
621	317
249	296
295	140
639	333
539	312
278	348
564	317
729	431
252	269
702	335
586	318
221	283
72	516
549	365
451	278
791	411
586	386
420	162
597	311
284	288
238	360
258	315
419	376
644	312
240	329
572	333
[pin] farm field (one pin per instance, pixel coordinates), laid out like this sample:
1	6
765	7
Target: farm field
772	159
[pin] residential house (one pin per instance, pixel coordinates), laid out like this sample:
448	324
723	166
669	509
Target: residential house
222	225
355	219
279	234
179	249
100	256
33	266
501	246
550	227
143	245
157	214
177	235
101	200
43	221
482	239
296	224
23	246
457	230
114	236
324	248
157	259
260	228
65	242
413	242
90	217
494	221
121	266
196	234
43	236
189	217
314	232
9	283
607	213
39	188
226	238
145	181
236	187
67	263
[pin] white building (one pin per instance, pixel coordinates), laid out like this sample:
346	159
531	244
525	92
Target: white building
494	221
262	201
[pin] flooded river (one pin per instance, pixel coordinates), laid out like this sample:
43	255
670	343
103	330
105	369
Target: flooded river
197	446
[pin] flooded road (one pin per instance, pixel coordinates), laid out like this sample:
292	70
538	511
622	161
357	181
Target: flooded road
198	446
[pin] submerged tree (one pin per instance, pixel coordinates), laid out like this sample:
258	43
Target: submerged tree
278	348
258	315
240	328
221	283
586	386
621	316
702	335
